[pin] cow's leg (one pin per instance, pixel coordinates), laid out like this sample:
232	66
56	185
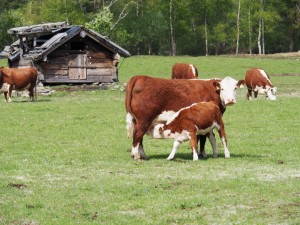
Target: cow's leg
249	94
213	143
174	149
255	94
224	140
202	140
9	93
31	96
5	96
137	151
193	144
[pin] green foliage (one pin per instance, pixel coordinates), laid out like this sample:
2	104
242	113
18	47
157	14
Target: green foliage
144	26
8	18
65	159
102	22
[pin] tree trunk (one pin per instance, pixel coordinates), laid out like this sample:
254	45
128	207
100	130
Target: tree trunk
263	35
206	37
238	29
259	37
172	30
250	29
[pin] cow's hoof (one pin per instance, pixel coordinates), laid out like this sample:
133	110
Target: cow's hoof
202	156
138	157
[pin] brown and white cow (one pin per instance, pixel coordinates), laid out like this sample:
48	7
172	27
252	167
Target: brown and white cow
187	123
17	79
184	71
258	81
154	100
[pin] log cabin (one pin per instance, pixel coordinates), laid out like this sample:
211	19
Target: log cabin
65	54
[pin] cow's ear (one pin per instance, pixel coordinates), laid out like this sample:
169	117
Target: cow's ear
217	85
241	83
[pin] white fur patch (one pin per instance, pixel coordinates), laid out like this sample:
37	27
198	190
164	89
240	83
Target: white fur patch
208	129
164	116
193	69
173	117
264	74
5	87
129	126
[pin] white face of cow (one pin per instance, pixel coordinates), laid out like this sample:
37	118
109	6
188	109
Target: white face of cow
271	92
228	88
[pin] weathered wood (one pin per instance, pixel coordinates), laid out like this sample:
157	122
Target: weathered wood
61	72
52	79
99	72
77	73
46	66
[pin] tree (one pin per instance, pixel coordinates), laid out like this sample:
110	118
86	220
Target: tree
102	23
172	29
9	19
238	28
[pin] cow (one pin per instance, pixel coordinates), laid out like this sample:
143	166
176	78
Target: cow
152	100
187	123
184	71
258	81
18	79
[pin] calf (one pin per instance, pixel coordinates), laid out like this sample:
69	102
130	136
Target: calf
152	100
184	71
258	81
187	123
17	79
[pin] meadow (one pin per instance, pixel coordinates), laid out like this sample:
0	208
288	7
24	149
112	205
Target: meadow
65	159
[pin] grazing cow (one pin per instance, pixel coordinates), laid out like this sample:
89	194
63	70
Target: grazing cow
17	79
154	100
184	71
258	81
187	123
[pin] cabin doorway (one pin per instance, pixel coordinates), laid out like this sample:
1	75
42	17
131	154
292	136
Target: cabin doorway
77	67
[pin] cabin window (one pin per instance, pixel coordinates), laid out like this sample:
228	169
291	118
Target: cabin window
77	45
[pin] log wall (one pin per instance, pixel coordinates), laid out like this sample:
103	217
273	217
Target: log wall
79	61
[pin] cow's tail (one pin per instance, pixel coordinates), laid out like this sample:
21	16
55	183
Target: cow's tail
130	120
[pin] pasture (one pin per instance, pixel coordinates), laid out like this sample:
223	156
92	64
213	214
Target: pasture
65	159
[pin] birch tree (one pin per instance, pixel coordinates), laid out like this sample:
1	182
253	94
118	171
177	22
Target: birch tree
172	29
238	28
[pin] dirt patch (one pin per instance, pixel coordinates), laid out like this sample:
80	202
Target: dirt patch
286	55
86	87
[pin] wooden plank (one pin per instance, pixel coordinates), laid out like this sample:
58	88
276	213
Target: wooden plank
99	55
58	60
100	64
77	66
50	66
57	72
99	72
51	79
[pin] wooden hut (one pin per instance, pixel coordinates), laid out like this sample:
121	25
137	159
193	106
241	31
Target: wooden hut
65	54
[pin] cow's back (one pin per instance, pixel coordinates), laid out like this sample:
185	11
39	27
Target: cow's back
147	97
254	77
184	71
20	77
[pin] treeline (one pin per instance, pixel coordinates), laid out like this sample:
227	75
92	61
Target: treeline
170	27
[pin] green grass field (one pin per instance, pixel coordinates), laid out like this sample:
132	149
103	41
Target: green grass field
65	159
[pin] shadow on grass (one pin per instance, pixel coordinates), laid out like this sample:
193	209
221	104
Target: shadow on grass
189	156
26	101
